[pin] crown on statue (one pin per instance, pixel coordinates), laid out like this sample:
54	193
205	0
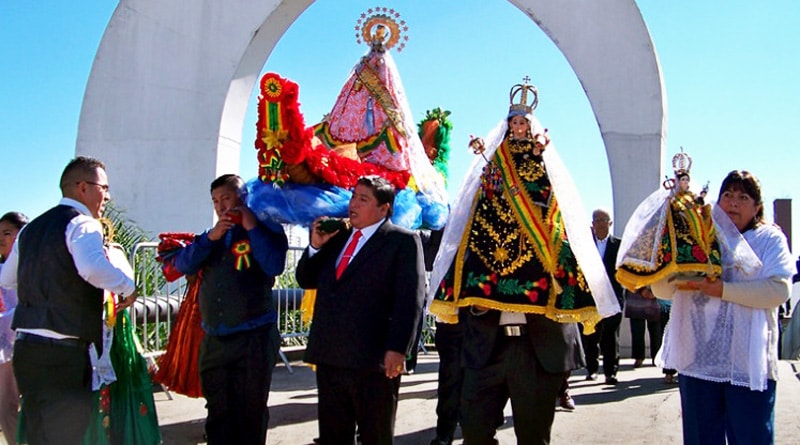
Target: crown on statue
681	163
381	29
523	90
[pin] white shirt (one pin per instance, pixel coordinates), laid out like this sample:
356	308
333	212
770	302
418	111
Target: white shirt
366	233
601	245
84	236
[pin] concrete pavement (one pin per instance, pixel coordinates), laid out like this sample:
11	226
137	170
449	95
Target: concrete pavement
641	409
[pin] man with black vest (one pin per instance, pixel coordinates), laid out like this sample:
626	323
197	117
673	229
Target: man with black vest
60	270
237	261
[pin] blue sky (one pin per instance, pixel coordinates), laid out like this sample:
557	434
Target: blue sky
730	77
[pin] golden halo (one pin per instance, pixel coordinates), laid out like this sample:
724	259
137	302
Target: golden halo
393	29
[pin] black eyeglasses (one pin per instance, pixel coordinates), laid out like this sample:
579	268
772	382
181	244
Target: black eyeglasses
103	187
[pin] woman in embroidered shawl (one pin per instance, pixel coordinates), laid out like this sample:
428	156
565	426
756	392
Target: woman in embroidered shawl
723	333
506	245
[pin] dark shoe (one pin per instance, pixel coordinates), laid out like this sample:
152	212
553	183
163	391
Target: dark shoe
638	363
591	376
565	401
611	380
670	378
438	441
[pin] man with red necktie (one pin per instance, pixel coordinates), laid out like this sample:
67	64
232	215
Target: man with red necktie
370	284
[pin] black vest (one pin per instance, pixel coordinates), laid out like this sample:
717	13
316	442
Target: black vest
233	296
51	293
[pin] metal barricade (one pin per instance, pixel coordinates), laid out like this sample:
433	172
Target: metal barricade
154	311
288	298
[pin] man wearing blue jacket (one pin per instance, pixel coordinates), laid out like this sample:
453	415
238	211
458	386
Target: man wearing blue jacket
237	260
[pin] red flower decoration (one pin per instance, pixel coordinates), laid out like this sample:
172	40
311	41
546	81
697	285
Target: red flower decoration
487	290
142	409
532	295
493	278
572	281
698	254
105	399
272	86
542	284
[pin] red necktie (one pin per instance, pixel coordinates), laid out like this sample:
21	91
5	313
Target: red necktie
348	253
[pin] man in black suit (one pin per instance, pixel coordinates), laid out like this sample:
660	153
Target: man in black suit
605	339
370	285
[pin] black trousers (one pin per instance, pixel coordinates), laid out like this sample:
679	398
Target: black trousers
451	376
605	339
55	382
637	337
235	375
512	372
350	397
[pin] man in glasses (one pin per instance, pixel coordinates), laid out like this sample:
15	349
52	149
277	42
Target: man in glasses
60	270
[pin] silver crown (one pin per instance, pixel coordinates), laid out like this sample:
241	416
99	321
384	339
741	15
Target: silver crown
681	163
523	90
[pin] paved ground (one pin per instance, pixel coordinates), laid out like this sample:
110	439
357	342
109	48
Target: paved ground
641	409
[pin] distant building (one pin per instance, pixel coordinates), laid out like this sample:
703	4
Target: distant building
782	213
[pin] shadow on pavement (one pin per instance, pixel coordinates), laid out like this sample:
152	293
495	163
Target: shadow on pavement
624	390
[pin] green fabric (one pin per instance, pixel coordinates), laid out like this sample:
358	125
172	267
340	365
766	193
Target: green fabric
133	411
99	430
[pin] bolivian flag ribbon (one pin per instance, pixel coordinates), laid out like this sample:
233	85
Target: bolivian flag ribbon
242	251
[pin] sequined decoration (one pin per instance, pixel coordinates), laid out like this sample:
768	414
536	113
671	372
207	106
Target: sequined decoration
491	181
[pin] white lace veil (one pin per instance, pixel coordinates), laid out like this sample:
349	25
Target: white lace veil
428	180
642	235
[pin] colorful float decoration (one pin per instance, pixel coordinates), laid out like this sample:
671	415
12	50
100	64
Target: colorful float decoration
308	172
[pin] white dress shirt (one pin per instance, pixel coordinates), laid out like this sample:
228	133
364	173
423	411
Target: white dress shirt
366	234
84	235
601	245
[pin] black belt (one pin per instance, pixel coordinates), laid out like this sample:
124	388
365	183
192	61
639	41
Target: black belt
514	330
68	342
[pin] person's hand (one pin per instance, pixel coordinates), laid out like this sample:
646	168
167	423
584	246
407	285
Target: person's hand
709	286
126	302
318	237
249	220
647	293
218	231
393	364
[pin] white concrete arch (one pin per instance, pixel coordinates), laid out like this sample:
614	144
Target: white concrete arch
170	85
